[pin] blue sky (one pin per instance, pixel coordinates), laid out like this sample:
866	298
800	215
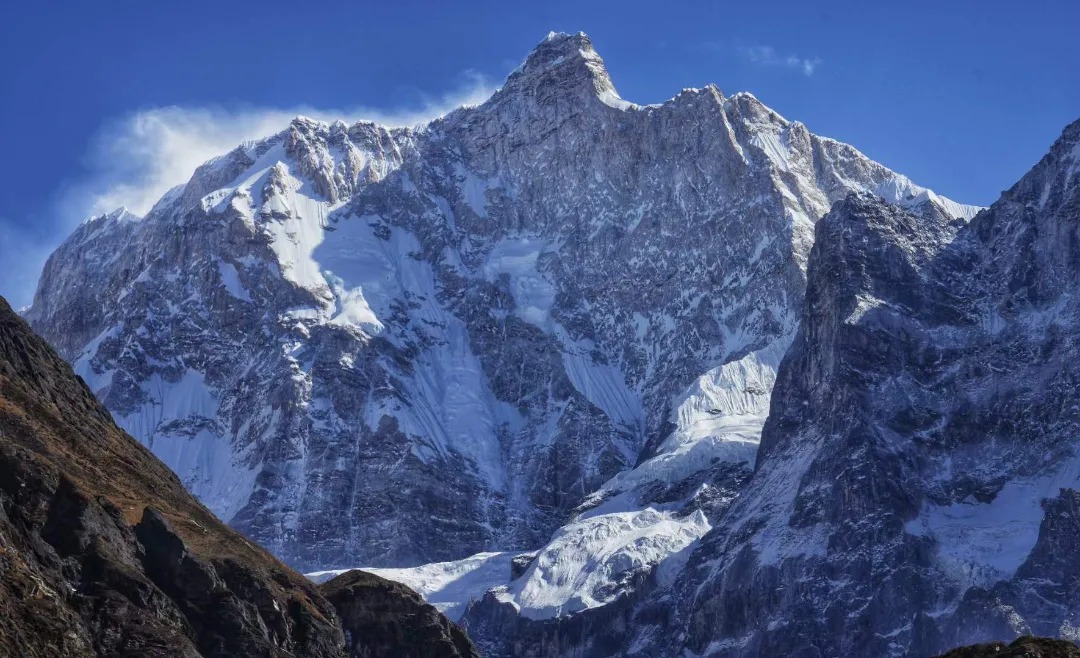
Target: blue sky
107	102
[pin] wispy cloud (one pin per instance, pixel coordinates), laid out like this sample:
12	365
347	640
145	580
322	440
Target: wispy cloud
769	56
135	159
138	158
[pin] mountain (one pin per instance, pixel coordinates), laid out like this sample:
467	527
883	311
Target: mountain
103	552
610	379
916	481
390	347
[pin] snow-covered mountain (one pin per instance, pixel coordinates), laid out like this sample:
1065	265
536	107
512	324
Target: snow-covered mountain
917	481
548	323
916	484
918	476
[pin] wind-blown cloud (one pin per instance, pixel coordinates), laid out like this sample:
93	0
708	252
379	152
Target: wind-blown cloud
768	56
135	159
138	158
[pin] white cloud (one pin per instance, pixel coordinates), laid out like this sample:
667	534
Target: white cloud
768	56
133	160
138	158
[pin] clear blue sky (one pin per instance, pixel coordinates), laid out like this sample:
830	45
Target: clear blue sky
962	96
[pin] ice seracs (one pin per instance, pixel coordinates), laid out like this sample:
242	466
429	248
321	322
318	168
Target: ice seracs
592	561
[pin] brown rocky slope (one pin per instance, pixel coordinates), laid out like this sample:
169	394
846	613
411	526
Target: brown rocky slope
1024	647
103	552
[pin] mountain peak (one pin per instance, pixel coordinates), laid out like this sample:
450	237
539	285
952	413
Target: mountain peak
568	62
565	36
1052	182
119	214
563	44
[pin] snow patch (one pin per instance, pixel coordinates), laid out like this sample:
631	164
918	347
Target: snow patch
449	586
982	543
230	278
533	293
611	99
901	191
718	418
603	384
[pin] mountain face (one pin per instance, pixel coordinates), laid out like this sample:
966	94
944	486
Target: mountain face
916	484
388	347
103	552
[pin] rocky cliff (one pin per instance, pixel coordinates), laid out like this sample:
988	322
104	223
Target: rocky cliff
917	479
916	483
384	618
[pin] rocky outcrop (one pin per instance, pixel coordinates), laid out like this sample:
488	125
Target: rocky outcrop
103	552
500	631
1024	647
384	618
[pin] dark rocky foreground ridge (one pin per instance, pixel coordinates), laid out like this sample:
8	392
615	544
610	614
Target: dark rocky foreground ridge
103	552
1024	647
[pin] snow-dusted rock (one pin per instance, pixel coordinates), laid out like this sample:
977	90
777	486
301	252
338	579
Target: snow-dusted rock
917	480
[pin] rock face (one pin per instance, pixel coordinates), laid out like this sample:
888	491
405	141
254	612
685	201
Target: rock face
1024	647
388	347
916	485
103	552
385	618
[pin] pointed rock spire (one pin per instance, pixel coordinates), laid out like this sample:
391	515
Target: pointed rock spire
565	64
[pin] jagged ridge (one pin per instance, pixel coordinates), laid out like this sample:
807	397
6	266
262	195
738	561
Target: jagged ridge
916	478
